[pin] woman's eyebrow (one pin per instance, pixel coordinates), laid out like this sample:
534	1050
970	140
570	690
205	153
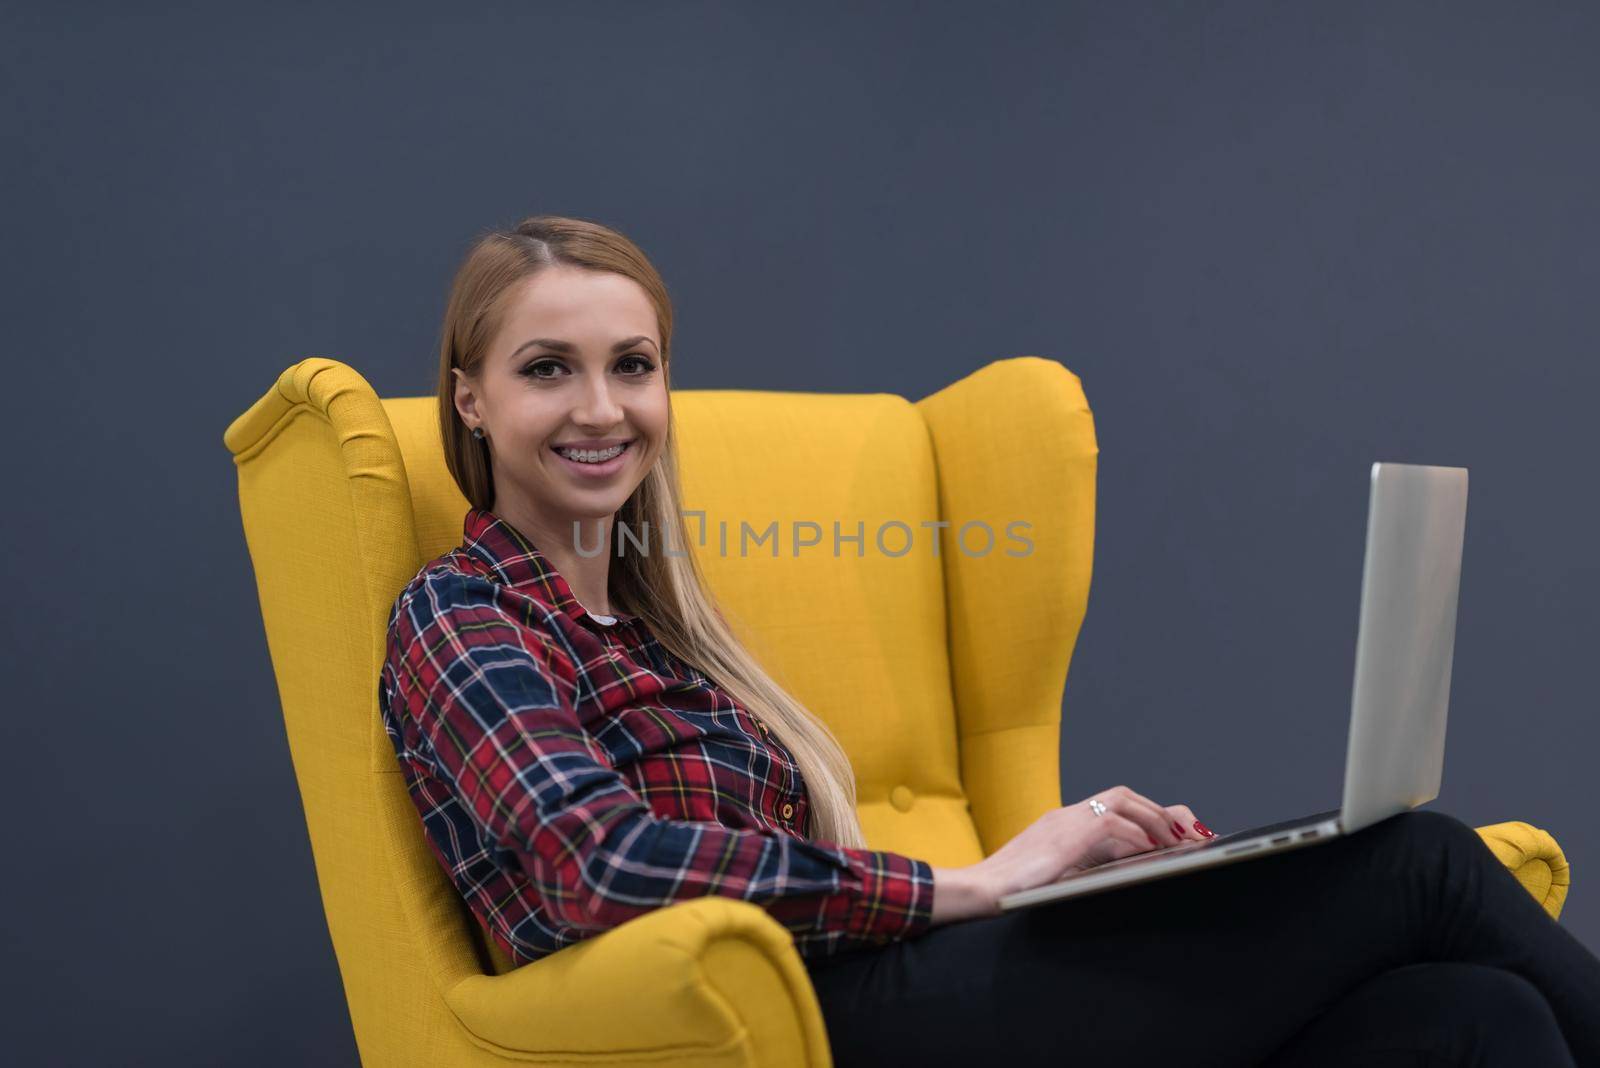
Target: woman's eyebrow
569	347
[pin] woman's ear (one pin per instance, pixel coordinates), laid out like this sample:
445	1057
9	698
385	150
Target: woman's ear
466	402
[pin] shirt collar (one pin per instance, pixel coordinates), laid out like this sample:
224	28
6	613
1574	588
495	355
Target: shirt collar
512	557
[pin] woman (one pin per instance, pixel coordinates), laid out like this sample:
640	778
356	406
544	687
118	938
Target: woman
586	740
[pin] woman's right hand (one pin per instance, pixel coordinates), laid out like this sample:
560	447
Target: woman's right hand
1072	838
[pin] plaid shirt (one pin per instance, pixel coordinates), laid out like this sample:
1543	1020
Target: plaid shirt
572	775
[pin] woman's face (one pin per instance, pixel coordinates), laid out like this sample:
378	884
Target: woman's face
577	362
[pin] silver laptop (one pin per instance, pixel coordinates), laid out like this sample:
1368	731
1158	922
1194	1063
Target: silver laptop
1416	521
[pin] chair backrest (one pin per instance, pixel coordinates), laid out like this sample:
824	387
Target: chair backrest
941	675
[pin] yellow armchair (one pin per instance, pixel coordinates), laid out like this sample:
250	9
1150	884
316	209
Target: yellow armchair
942	675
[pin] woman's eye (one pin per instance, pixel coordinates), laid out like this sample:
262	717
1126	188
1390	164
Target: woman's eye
643	364
533	369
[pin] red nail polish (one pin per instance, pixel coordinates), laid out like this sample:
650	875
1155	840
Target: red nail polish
1152	840
1203	829
1177	828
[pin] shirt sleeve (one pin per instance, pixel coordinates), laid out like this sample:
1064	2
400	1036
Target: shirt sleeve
493	698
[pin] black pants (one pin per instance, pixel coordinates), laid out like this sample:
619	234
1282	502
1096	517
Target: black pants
1407	943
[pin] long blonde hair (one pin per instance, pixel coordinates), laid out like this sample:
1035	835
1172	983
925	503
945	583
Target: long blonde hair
667	591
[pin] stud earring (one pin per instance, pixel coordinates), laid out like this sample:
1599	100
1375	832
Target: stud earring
477	432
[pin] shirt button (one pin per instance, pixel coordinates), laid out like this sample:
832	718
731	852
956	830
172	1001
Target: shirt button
788	810
761	726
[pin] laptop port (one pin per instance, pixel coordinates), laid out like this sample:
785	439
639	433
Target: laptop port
1309	834
1285	838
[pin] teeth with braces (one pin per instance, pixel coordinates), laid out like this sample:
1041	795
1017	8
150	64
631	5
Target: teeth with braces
592	456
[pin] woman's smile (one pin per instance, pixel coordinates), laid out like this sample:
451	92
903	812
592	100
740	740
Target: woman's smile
595	463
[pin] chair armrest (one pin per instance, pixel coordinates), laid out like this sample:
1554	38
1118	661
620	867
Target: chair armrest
1534	858
710	981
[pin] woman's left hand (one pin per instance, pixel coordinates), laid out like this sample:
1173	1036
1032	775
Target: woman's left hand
1184	825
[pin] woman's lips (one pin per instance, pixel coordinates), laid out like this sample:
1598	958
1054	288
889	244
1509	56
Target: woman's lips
600	470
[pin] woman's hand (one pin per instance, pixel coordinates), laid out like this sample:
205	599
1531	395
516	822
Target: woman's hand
1072	838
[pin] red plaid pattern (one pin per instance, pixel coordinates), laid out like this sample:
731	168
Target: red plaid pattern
572	775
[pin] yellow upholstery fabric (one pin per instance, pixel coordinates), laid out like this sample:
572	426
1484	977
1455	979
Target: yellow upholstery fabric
941	675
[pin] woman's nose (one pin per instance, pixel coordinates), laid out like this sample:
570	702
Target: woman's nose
596	407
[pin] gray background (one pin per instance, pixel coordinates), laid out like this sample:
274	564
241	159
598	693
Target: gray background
1277	242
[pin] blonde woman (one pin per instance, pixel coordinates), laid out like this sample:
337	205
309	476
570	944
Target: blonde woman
587	740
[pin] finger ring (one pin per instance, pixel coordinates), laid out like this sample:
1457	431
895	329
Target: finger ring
1096	806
